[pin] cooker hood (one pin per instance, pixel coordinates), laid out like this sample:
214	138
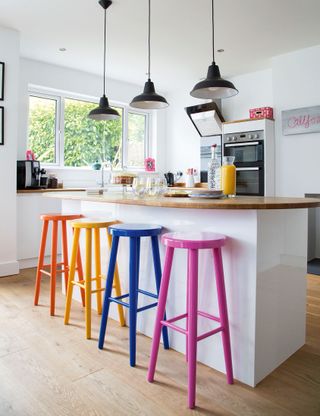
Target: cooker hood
206	118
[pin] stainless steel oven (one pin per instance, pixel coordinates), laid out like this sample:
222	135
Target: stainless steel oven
248	150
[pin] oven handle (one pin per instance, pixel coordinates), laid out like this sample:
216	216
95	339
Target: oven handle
241	144
256	168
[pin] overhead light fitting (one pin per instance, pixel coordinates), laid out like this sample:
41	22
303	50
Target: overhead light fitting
104	111
149	99
213	87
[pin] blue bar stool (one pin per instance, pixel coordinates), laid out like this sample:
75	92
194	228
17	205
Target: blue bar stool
134	232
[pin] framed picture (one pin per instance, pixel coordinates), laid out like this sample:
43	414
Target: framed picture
1	125
1	81
301	120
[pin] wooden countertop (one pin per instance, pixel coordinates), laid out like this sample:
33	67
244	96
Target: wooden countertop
240	202
41	191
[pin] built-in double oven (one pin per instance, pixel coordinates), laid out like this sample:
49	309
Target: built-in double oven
248	150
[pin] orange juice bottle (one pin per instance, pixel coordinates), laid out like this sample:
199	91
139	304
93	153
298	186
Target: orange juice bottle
228	176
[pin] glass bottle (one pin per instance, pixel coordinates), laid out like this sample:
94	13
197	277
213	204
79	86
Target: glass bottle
214	170
228	176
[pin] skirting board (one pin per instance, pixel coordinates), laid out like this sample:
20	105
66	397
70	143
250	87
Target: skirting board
9	268
28	263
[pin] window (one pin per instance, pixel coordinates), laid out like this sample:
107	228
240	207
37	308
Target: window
43	127
61	134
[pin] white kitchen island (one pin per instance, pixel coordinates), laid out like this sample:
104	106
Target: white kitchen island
264	259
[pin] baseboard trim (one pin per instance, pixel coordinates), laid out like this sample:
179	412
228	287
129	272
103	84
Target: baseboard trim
28	263
9	268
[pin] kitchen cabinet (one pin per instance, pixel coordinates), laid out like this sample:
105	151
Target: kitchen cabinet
29	208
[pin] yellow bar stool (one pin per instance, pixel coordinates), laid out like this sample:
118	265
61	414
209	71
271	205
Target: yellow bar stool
90	225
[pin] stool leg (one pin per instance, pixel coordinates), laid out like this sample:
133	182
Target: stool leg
75	250
223	311
53	273
65	253
88	271
192	327
80	274
117	286
108	290
40	261
133	296
98	267
157	272
160	312
187	302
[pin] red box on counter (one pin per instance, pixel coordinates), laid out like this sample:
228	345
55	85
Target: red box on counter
262	112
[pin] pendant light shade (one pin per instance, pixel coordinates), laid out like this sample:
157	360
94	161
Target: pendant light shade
213	86
104	111
149	99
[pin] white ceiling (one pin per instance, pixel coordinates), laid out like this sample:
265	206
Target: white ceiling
250	31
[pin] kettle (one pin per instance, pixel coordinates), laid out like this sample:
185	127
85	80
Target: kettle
171	178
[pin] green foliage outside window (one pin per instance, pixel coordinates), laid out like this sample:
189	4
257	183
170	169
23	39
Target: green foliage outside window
85	141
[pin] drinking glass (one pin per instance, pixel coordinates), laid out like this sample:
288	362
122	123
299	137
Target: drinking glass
139	186
162	185
152	186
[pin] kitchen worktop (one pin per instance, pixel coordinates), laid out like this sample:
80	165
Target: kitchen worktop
237	203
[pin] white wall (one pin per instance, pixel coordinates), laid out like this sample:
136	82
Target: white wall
73	81
183	141
9	53
255	90
296	84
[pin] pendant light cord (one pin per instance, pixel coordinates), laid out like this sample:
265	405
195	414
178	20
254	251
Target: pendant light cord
149	40
212	24
104	51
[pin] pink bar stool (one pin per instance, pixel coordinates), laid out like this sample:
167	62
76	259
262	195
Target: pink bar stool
193	242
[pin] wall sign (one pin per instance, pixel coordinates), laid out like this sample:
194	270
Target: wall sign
1	125
1	81
301	121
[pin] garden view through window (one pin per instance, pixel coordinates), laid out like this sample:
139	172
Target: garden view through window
60	133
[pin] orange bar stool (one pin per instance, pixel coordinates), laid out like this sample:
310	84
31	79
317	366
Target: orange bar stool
51	269
90	225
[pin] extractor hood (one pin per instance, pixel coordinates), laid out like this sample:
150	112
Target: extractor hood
206	118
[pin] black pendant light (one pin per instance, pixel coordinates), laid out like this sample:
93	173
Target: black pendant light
149	99
104	111
213	87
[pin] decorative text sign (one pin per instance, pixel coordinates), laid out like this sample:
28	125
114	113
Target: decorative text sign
301	120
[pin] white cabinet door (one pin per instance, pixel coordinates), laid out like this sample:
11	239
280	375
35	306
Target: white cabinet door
29	225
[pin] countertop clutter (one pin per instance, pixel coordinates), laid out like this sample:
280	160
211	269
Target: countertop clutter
236	203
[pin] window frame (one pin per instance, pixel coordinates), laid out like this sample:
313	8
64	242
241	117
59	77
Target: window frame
60	97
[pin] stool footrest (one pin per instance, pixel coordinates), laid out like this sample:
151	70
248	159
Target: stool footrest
175	327
97	290
117	299
209	333
151	295
169	323
78	284
144	308
119	302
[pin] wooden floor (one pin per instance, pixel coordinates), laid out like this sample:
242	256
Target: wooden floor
47	368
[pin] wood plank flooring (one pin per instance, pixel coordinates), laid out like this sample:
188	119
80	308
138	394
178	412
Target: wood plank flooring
49	369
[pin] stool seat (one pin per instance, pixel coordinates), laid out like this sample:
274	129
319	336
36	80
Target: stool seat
193	240
93	222
59	217
135	230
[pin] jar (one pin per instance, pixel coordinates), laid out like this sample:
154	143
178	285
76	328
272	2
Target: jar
228	176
